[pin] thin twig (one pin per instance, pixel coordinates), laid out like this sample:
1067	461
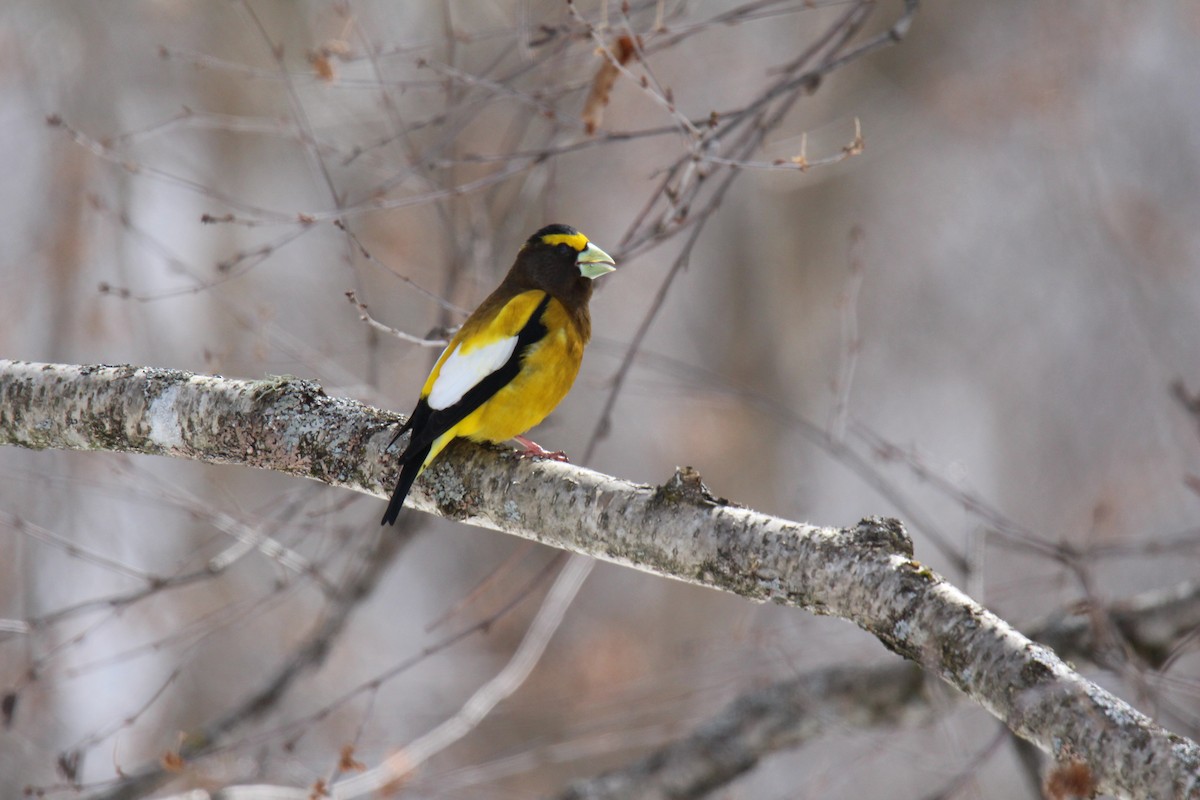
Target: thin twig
851	340
507	681
366	317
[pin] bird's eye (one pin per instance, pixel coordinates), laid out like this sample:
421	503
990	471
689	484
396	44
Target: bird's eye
565	248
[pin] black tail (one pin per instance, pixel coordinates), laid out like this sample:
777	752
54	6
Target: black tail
408	473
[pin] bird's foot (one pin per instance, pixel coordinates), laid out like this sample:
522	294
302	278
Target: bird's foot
535	450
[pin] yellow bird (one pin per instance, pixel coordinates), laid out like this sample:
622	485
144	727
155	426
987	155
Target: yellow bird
513	360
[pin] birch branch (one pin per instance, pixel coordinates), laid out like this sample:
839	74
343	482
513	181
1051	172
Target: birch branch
790	713
864	573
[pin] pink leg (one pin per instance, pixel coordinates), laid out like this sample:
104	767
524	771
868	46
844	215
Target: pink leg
535	450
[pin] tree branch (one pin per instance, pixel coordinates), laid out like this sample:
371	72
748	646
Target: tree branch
864	573
795	711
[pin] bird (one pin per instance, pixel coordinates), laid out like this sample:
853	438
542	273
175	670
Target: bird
514	358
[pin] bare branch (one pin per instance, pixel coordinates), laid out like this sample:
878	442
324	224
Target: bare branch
309	653
864	573
507	681
365	315
791	713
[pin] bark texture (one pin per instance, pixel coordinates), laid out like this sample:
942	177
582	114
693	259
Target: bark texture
864	573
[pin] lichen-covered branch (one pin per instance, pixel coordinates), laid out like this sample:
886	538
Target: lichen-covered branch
865	573
792	712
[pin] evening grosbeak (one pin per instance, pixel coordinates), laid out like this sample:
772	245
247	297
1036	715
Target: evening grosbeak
514	358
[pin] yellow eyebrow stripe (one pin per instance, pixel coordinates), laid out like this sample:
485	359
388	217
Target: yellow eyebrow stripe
576	240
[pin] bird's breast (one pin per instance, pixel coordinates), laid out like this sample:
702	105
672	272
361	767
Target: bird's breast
548	369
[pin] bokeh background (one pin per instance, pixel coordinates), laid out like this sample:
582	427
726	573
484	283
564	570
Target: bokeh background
974	324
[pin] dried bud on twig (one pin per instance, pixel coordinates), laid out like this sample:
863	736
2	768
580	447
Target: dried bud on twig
623	49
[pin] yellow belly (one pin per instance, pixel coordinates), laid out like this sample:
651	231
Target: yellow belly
548	371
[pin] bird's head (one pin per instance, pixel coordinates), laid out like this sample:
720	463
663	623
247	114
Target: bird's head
561	260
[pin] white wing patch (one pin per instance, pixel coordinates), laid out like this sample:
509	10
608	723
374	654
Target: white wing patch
463	371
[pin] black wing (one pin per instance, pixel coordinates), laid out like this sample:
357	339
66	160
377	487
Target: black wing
427	424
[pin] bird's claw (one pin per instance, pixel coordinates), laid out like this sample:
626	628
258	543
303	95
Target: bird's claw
535	450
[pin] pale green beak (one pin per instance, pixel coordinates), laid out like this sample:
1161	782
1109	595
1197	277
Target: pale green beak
594	262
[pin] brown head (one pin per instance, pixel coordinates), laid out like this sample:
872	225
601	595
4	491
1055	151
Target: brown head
562	262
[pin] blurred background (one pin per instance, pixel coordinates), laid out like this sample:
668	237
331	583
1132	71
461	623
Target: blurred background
971	318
